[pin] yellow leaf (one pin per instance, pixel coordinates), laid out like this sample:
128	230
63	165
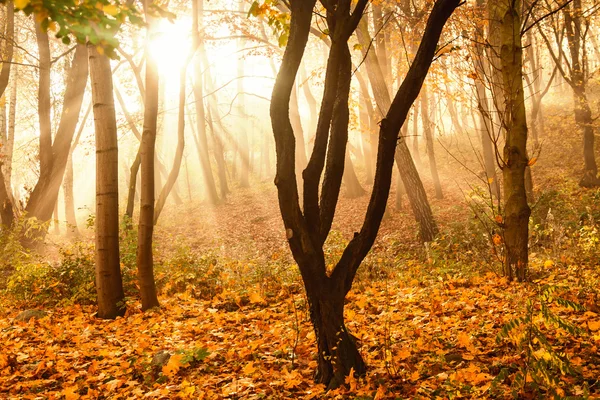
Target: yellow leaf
415	376
21	4
548	264
100	50
249	369
173	365
497	239
351	380
404	354
491	180
594	325
531	161
70	393
256	298
464	340
53	26
380	393
110	9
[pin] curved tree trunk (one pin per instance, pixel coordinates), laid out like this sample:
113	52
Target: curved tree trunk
162	198
307	229
109	284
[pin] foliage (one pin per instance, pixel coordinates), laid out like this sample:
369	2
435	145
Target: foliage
200	277
277	20
545	369
70	281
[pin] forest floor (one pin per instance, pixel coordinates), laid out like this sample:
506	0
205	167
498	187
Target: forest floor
429	323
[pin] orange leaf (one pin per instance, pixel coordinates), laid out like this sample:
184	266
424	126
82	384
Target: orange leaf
173	365
531	161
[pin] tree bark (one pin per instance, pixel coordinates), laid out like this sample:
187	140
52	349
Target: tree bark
516	209
109	284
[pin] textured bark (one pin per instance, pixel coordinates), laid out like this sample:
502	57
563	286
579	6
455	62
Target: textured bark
109	284
306	230
428	133
516	209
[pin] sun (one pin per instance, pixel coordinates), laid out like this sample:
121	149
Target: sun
171	45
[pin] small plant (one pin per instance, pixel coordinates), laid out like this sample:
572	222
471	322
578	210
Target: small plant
200	276
545	367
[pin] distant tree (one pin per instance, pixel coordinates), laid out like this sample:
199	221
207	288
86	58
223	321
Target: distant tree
145	260
308	228
573	67
109	283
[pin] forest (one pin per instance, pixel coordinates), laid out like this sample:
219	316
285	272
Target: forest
299	199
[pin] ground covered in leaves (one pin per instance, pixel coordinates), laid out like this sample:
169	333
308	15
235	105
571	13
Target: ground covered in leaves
421	339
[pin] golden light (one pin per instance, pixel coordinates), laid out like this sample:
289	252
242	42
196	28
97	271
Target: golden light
171	45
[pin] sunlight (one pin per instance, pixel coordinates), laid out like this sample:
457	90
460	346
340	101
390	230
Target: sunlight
171	45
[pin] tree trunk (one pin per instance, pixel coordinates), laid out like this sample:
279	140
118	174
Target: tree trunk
7	54
416	154
109	284
307	229
427	131
353	187
53	157
145	259
516	219
72	229
160	203
219	153
410	176
201	69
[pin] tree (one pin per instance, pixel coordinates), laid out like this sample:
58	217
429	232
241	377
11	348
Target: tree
307	229
145	261
406	166
507	13
576	74
109	284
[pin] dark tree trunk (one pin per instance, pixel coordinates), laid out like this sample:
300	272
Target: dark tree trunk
307	230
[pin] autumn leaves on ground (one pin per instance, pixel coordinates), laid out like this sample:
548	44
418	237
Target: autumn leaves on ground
233	321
